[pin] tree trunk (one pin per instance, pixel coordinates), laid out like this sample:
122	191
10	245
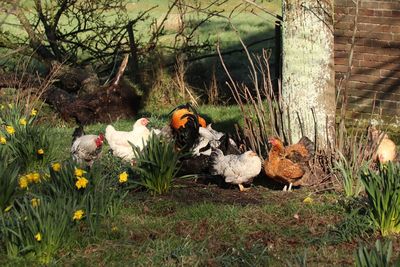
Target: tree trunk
308	85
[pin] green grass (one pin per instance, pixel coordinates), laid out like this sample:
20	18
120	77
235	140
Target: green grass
167	230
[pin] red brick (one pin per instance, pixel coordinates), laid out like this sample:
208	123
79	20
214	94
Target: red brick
341	54
344	3
376	35
341	10
377	50
381	65
390	74
343	25
387	5
365	78
341	61
369	4
377	20
366	71
342	47
378	13
395	29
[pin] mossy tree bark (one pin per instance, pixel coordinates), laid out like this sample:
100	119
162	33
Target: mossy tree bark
308	84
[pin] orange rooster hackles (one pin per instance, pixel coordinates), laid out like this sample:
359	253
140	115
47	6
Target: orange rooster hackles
179	119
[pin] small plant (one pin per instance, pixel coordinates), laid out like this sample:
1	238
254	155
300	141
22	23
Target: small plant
37	227
8	181
28	143
157	164
350	174
378	256
96	193
383	189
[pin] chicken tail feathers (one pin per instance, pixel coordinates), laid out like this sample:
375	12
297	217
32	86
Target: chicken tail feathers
308	144
227	146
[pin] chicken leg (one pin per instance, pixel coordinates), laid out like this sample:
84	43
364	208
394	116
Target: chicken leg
286	189
242	188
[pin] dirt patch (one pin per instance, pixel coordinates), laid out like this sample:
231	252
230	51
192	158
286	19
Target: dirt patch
190	192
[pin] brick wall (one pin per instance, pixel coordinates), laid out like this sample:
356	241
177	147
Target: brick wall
376	59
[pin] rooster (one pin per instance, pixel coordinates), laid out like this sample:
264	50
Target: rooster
86	147
385	147
236	169
120	141
288	164
185	124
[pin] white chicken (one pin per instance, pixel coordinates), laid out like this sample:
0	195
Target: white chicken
236	169
119	141
86	148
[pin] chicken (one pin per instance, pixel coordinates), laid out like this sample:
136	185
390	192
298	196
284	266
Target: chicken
385	147
236	169
288	164
211	139
119	141
86	147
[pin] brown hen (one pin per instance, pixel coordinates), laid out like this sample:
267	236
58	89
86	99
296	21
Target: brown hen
288	165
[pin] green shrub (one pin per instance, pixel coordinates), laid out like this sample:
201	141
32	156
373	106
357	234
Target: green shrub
8	181
378	256
28	143
349	171
37	227
157	164
383	189
96	194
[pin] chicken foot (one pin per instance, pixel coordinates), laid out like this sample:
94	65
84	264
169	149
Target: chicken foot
286	189
242	188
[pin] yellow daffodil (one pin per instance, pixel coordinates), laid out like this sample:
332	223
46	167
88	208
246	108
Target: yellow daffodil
56	166
8	208
1	106
35	202
36	177
10	105
40	151
10	130
114	229
33	112
81	182
38	237
79	172
78	215
30	177
3	140
308	200
22	121
23	182
123	178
